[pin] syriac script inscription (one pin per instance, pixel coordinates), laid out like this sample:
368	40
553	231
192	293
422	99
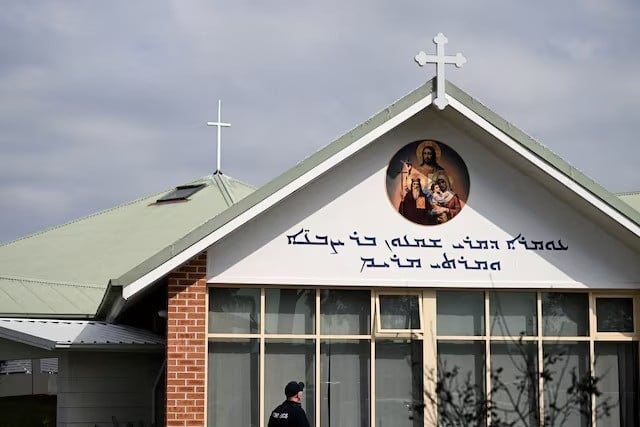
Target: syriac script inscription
434	253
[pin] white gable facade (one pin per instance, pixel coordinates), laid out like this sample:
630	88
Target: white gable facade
333	281
528	236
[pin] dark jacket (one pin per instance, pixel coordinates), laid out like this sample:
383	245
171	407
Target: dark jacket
288	414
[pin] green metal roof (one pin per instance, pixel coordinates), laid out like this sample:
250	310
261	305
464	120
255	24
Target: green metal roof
64	271
632	199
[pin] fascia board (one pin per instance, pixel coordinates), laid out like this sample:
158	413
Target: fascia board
27	339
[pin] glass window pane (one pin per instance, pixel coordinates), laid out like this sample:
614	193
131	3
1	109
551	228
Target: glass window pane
233	383
399	401
565	314
284	361
461	377
567	368
460	313
614	314
290	311
514	382
617	371
234	310
399	312
513	313
344	371
345	312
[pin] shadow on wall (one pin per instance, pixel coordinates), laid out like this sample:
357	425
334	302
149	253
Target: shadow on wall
115	422
34	410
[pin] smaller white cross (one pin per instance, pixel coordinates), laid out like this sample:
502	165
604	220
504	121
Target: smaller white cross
440	59
220	125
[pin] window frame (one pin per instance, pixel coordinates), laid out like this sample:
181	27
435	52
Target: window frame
414	333
615	336
427	312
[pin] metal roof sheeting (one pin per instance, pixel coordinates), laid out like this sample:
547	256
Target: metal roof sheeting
64	271
632	199
19	296
76	334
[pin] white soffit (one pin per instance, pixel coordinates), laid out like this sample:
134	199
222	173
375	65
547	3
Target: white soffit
53	334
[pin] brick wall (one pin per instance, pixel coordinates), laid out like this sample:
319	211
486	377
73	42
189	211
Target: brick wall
186	344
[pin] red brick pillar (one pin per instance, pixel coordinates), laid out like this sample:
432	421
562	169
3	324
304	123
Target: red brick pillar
186	344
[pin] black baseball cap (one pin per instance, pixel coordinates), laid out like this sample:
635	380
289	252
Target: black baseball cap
292	388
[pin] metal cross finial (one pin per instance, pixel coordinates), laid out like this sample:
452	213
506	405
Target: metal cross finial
440	59
219	124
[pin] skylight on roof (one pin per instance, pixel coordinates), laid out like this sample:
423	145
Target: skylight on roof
181	192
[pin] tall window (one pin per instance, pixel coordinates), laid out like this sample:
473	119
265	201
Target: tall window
260	339
526	352
389	357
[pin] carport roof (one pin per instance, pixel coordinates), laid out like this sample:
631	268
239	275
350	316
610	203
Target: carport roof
77	334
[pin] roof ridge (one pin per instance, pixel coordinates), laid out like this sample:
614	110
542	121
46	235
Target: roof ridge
52	282
628	193
224	190
230	178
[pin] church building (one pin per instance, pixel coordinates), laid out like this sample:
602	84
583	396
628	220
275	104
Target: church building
435	262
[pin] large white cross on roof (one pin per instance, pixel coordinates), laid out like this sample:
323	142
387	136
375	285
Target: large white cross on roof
440	59
220	125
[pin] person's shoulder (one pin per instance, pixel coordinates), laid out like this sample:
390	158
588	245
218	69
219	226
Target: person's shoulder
299	410
290	406
278	408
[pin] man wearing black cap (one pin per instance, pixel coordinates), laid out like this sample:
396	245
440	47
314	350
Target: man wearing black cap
290	412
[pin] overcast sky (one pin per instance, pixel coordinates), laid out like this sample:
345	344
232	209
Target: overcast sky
102	102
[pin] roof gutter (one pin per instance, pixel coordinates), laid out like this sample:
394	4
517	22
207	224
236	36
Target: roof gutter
111	304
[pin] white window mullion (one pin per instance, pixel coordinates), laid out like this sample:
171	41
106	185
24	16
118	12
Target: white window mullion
592	352
372	374
430	357
262	355
540	356
317	373
487	352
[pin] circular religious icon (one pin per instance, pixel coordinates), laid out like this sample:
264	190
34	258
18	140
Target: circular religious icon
427	182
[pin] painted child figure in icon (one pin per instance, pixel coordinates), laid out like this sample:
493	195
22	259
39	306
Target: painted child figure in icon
445	204
438	200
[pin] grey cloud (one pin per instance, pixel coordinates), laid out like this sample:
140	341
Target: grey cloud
104	102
